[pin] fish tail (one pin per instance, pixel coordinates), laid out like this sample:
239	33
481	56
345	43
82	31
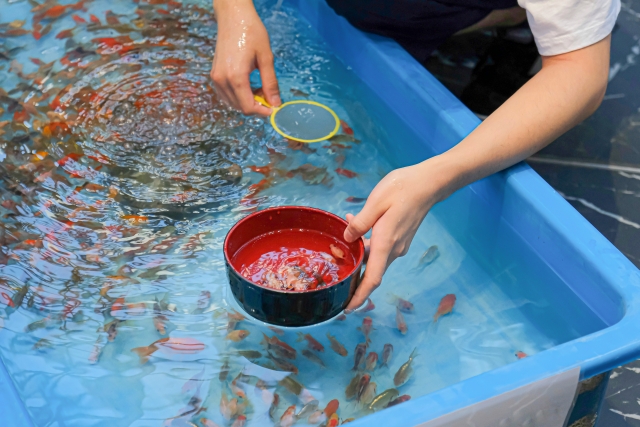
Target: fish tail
265	340
436	317
392	298
413	353
300	337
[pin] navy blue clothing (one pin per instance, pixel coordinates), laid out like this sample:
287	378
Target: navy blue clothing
419	26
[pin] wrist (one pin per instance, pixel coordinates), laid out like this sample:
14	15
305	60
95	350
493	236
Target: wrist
443	176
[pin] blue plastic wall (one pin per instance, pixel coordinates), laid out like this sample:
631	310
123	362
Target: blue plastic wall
518	210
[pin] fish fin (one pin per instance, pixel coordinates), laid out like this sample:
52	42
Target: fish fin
300	337
413	353
143	353
435	317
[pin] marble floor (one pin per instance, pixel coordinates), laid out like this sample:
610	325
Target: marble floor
595	166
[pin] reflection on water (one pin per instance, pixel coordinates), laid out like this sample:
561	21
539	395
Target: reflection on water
121	172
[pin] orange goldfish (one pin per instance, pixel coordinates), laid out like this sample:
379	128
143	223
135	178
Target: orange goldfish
366	328
135	219
372	361
208	423
78	20
65	34
400	322
445	307
169	345
289	417
331	407
336	251
402	304
362	386
521	354
238	335
311	341
336	346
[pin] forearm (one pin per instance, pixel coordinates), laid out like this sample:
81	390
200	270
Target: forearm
221	7
566	91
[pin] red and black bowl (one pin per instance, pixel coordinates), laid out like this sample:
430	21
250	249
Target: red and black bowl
284	307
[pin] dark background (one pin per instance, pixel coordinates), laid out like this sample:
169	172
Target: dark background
595	166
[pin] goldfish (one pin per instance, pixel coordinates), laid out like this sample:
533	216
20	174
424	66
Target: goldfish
331	407
289	417
42	344
352	199
111	18
135	219
93	187
366	328
65	34
521	354
281	348
382	400
400	322
292	385
398	400
274	405
10	302
346	128
445	307
225	408
402	304
346	173
234	318
336	251
204	300
94	19
224	370
405	371
343	138
368	394
333	420
250	354
159	319
387	352
336	346
111	329
364	382
307	409
311	341
298	93
277	330
429	256
341	317
78	20
169	345
283	364
361	350
235	389
238	335
352	389
348	420
371	361
312	356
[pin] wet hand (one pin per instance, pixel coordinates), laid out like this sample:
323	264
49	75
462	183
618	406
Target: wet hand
394	211
243	46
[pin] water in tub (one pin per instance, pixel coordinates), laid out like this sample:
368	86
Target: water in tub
121	173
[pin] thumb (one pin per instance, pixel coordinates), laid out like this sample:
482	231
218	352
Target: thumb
360	224
269	80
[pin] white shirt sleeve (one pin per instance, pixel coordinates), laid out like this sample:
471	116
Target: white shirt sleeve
561	26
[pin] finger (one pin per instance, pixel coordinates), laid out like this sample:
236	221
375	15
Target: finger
377	265
361	223
269	79
367	249
246	102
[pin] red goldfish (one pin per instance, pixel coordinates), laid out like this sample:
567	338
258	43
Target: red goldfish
445	307
346	172
346	128
279	347
400	322
361	350
169	345
331	407
333	421
400	399
289	417
402	304
521	354
311	341
372	361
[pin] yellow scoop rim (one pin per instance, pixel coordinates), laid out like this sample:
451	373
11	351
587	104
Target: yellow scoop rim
264	102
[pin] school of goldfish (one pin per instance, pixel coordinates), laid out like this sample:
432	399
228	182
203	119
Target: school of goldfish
112	145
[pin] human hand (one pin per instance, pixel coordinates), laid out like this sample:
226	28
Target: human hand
243	46
394	210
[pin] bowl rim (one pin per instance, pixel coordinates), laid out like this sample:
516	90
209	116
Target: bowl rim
355	269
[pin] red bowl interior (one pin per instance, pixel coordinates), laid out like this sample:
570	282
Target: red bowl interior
286	218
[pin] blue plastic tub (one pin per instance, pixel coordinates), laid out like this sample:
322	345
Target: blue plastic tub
518	211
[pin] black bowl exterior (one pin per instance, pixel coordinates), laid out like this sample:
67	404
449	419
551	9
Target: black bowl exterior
292	308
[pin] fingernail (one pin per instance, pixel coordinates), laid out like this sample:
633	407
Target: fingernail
348	311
